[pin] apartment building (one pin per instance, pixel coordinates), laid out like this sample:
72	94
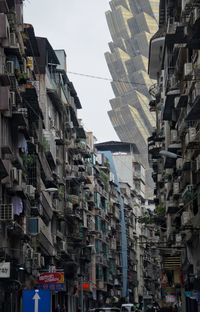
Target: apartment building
131	24
59	210
140	275
174	147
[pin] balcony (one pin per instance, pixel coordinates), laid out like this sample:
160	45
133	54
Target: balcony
176	33
191	139
4	98
182	101
47	205
37	228
154	149
72	172
30	100
20	119
49	145
3	6
59	138
181	124
171	207
194	110
169	104
156	45
194	37
5	167
188	193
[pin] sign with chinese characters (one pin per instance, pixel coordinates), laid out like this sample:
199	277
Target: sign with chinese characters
51	280
4	269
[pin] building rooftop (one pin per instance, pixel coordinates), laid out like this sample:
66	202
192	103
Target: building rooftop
117	146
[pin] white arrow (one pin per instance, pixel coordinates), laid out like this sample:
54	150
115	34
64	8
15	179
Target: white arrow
36	298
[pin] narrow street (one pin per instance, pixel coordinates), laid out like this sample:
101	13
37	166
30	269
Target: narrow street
99	156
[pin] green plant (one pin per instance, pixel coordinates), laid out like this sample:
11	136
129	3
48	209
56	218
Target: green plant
146	219
61	191
28	160
45	144
160	210
105	179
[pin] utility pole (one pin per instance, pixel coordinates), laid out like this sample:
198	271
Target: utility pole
82	303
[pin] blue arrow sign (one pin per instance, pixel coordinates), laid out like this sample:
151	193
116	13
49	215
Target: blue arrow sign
36	300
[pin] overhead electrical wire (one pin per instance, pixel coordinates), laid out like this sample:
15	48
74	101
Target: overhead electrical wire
106	78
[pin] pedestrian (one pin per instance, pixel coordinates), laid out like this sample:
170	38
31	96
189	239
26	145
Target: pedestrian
63	309
58	308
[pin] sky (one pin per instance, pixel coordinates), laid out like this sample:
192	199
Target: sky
80	27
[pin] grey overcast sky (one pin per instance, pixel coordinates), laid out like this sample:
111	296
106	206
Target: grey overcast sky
79	27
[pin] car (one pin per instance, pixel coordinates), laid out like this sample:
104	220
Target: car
106	309
127	307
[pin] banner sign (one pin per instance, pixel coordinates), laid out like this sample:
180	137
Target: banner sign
4	269
51	278
52	281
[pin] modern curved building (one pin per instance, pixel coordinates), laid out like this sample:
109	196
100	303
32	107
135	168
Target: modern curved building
132	24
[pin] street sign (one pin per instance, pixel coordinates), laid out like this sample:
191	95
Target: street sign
36	300
4	269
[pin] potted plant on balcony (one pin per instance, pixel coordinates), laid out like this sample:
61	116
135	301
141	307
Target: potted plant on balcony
21	77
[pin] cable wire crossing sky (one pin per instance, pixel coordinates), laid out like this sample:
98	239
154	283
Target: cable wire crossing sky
80	28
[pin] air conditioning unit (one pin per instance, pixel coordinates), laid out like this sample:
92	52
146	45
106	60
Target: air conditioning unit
29	253
54	237
24	65
186	217
174	136
51	124
62	245
188	70
12	99
4	98
186	4
85	224
19	173
69	124
10	68
14	174
173	82
68	168
176	188
13	41
4	29
198	163
30	190
192	133
178	238
196	14
36	260
42	261
179	163
75	168
73	135
6	212
59	134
